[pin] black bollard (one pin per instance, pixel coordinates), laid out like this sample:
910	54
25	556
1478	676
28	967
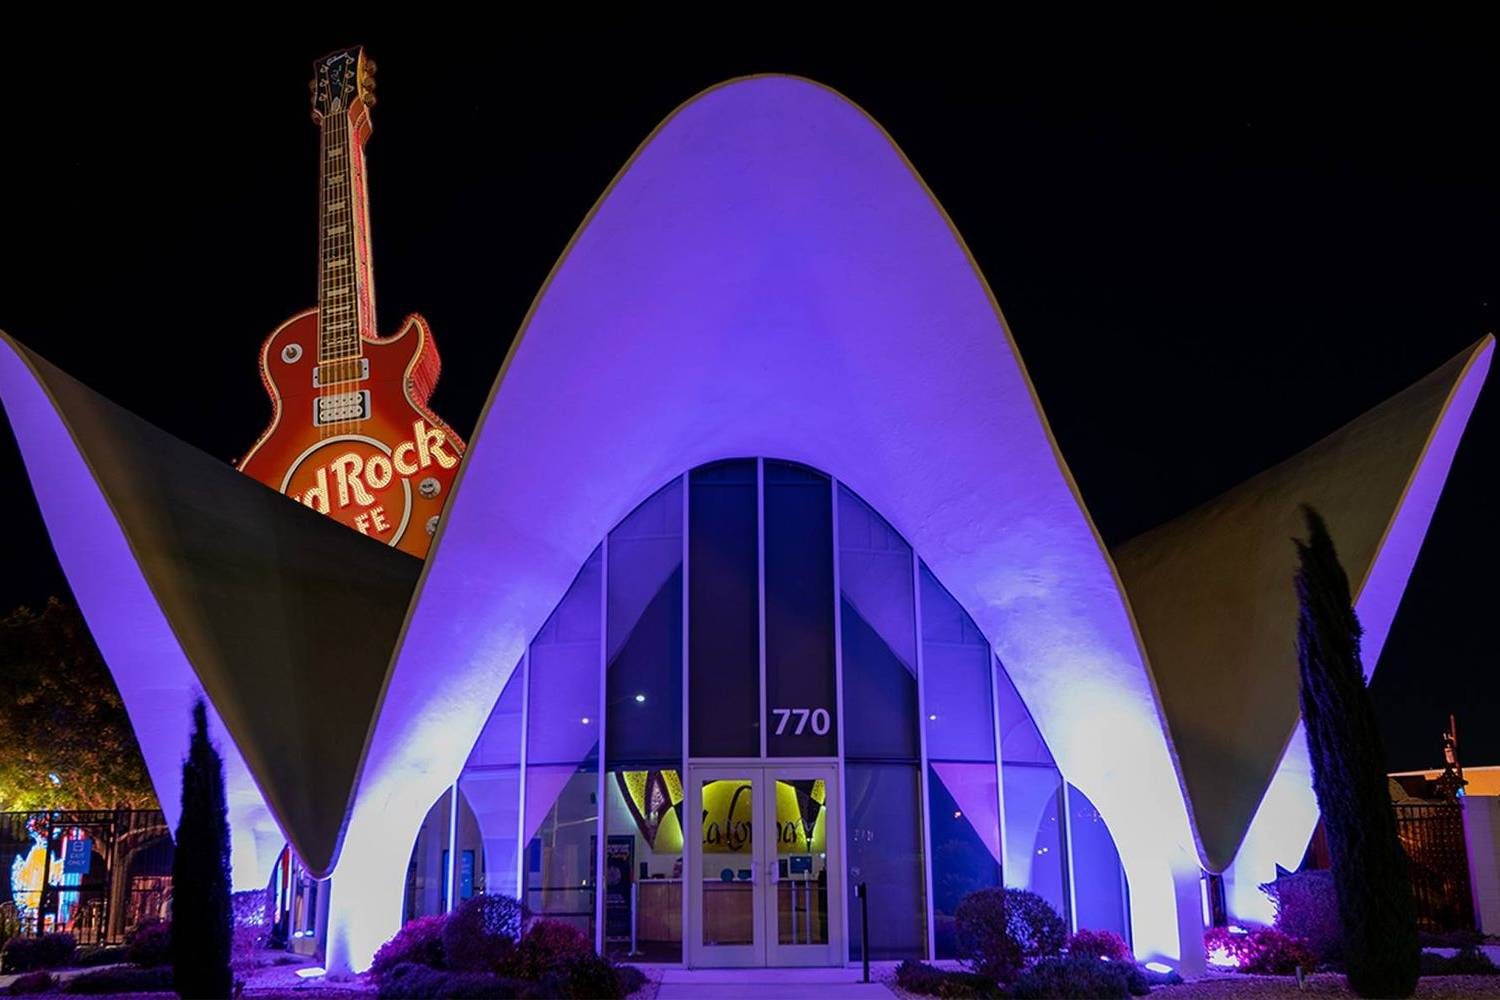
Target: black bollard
864	929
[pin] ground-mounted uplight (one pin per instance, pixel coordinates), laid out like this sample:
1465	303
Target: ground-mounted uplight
311	972
1160	967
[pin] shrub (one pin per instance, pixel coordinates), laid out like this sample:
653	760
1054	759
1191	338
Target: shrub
121	979
1079	976
582	977
1100	944
1264	951
420	942
480	935
202	925
478	986
1273	953
545	946
90	958
410	981
32	982
1468	961
919	977
149	943
631	978
46	951
998	930
1307	907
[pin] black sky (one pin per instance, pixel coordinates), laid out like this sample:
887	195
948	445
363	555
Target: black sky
1215	242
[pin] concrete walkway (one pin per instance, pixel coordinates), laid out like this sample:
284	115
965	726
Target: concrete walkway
768	984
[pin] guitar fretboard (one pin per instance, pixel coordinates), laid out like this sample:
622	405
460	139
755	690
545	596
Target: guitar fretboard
341	241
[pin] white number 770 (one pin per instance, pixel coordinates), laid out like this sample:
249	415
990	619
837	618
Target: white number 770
818	717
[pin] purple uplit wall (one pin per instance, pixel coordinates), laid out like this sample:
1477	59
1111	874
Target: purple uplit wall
1288	812
155	680
769	276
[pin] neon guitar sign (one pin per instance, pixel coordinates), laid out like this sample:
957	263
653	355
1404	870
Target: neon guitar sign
351	435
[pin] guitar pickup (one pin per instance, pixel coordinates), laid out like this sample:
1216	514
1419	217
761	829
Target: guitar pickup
341	407
334	372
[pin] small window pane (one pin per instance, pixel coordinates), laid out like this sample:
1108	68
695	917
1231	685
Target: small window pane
884	841
956	675
724	609
1033	833
878	628
644	823
563	722
562	835
801	697
1098	877
1020	740
965	841
645	633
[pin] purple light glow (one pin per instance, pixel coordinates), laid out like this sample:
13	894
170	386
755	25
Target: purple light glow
155	680
770	277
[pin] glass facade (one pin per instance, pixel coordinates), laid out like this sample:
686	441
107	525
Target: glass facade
759	610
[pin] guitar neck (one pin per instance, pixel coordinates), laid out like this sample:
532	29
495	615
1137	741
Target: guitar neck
346	286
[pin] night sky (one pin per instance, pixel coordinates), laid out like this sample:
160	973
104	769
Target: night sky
1215	243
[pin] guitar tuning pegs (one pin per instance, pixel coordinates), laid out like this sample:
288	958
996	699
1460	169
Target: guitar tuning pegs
368	98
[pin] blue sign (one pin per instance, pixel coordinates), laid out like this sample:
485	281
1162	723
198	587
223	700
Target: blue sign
801	864
79	855
727	875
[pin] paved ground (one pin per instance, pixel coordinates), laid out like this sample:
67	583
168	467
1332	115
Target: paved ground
767	984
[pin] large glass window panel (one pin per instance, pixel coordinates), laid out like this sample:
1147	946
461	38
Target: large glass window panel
491	786
956	677
1033	832
724	612
878	625
884	841
965	841
643	863
801	697
645	633
1020	740
1098	878
563	718
562	839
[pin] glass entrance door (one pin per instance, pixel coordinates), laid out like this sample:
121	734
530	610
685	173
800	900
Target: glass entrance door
764	880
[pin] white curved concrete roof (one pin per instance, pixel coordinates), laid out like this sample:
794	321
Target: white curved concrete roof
768	275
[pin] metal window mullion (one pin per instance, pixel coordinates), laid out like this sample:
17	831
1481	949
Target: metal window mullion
689	826
451	875
760	582
603	706
996	665
916	598
1066	819
838	682
525	669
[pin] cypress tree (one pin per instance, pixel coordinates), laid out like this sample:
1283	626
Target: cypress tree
1370	869
202	921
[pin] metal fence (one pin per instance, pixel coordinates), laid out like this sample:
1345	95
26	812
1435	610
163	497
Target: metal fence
92	873
1433	835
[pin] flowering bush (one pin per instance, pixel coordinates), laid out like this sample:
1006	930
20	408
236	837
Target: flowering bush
998	930
547	945
480	935
420	942
1100	944
1307	907
1265	951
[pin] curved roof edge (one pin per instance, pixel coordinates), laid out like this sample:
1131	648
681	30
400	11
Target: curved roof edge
1213	593
192	576
768	275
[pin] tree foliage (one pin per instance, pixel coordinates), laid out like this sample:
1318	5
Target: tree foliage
1370	870
202	916
65	740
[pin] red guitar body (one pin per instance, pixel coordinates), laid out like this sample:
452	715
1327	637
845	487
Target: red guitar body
386	475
